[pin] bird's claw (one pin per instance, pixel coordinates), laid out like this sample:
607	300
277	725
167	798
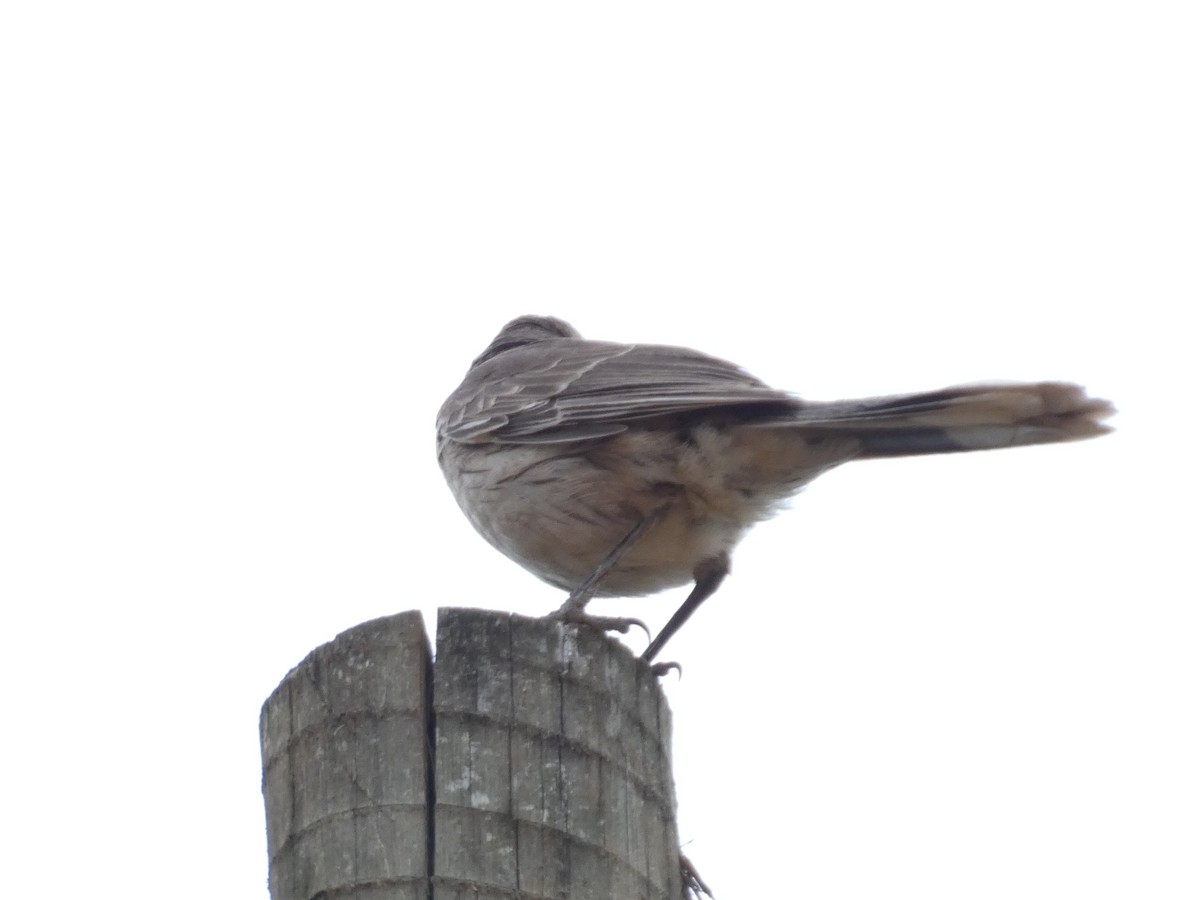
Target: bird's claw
661	669
619	624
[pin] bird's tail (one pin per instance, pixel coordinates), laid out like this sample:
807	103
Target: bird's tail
977	417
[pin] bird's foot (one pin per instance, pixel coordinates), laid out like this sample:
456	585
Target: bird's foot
575	615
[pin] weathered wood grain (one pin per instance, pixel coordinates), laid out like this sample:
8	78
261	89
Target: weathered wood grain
534	766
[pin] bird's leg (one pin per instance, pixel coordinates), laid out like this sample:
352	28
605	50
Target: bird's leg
693	885
709	575
573	609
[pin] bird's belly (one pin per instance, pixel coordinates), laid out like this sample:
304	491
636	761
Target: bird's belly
560	511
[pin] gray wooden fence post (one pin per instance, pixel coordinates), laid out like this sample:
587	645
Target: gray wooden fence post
347	766
531	763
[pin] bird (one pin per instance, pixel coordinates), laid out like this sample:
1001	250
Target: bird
614	469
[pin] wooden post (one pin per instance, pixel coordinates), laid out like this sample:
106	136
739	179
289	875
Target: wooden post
531	763
346	767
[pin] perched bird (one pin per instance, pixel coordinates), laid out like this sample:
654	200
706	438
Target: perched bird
622	469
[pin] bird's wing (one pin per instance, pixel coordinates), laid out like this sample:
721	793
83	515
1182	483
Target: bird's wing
567	390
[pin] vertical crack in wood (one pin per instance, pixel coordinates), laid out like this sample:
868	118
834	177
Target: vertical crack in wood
512	716
563	670
430	776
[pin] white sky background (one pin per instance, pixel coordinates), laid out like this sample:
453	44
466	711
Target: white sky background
249	248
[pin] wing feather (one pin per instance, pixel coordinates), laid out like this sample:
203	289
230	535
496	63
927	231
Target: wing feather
569	389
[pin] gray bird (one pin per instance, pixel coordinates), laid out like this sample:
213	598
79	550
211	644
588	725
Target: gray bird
623	469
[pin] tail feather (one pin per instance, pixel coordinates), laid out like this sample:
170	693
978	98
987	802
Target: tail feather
975	417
